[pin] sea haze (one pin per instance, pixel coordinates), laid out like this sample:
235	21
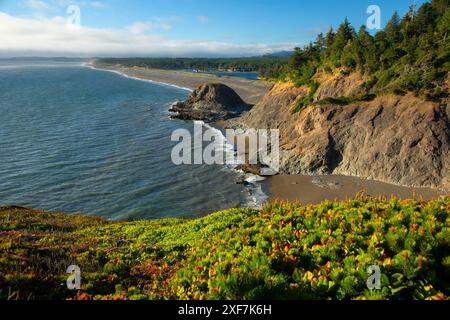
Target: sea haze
73	139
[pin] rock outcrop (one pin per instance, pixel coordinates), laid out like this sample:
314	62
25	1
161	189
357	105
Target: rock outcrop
210	102
396	139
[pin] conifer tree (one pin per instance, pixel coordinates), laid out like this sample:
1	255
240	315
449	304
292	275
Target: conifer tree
344	34
392	29
330	38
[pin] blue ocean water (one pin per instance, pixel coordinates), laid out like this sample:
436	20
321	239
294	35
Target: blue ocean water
73	139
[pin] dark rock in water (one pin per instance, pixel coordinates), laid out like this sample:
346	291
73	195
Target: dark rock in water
244	183
210	102
250	168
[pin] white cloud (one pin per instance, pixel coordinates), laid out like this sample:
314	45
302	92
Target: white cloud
55	5
143	27
91	4
52	37
36	5
95	4
157	23
203	19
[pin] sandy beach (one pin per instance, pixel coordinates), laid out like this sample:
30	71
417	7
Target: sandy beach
315	189
251	91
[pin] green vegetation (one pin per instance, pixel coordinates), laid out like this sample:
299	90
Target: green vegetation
411	54
309	98
266	66
285	251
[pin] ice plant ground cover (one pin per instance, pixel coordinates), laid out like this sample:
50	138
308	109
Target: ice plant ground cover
285	251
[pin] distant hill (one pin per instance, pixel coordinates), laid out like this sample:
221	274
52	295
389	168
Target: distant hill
280	54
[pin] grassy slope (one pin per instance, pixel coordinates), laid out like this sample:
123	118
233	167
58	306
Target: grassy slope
283	251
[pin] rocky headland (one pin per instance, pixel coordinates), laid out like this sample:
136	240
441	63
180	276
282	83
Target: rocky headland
210	102
398	139
402	140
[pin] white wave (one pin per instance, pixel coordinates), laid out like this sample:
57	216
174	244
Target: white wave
252	178
39	65
257	197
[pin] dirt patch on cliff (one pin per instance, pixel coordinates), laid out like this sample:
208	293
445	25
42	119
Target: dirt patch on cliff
339	84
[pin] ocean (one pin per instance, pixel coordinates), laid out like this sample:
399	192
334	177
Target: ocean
78	140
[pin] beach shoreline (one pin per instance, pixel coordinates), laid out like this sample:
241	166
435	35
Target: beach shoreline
187	81
251	91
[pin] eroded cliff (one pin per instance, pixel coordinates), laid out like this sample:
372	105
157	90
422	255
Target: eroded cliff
397	139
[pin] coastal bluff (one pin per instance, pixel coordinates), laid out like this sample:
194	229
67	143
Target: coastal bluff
398	139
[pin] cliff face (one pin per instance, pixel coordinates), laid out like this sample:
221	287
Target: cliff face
338	84
397	139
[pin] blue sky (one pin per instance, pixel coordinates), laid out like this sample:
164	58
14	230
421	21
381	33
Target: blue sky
238	27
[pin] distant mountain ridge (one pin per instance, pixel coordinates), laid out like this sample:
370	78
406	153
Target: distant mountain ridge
280	54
